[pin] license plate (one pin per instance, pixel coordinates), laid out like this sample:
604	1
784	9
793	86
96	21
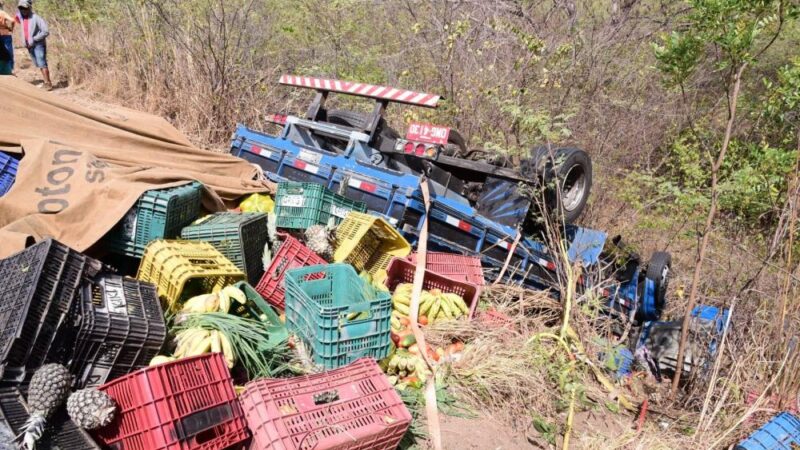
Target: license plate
293	201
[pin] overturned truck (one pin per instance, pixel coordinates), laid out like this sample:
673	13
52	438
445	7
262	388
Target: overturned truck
480	205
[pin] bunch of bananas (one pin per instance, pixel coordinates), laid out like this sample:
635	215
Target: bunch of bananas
219	301
197	341
435	305
403	364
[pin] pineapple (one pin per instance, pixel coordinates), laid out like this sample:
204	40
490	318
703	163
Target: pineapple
318	240
48	390
90	408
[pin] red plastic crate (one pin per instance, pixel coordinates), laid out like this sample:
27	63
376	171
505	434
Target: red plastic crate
187	404
350	408
292	255
456	267
402	271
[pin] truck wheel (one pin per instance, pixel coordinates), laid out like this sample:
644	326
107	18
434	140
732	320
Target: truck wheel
571	174
658	272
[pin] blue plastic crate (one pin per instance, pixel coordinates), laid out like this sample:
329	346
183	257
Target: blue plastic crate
158	214
337	315
8	172
780	433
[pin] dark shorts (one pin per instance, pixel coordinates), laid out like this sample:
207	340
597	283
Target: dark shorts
6	55
39	55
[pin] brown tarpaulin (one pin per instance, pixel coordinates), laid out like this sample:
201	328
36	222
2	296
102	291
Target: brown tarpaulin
83	170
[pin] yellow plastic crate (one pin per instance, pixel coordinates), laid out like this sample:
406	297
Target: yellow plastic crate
183	269
368	243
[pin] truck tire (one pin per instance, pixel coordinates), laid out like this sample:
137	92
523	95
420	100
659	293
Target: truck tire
571	173
658	272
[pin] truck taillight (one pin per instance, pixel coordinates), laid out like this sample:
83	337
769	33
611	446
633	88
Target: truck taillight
408	148
415	148
419	150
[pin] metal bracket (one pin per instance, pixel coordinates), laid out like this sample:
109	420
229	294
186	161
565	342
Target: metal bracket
317	105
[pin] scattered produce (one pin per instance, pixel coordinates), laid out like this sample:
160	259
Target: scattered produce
319	239
435	305
216	301
48	390
90	408
406	369
240	340
161	359
257	203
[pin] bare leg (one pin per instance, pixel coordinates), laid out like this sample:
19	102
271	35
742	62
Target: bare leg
46	75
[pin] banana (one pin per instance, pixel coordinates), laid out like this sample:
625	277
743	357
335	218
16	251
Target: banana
394	362
401	364
459	302
227	350
403	309
401	299
212	303
224	301
445	306
435	308
236	294
196	304
200	347
161	359
396	323
216	344
426	301
187	339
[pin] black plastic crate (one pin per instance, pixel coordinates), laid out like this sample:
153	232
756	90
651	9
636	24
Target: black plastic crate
39	286
241	237
61	433
120	328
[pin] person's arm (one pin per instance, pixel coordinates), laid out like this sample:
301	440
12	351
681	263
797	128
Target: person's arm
41	30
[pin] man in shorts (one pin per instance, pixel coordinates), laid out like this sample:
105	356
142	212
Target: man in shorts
6	44
34	35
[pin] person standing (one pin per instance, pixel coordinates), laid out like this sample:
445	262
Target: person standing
34	35
6	42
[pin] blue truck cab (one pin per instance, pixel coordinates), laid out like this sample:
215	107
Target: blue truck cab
348	157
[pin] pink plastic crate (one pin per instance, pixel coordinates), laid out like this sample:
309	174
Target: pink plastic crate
492	318
402	271
292	255
457	267
350	408
187	404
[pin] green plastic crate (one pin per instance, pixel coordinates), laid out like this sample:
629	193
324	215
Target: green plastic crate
241	237
337	315
301	205
158	214
257	308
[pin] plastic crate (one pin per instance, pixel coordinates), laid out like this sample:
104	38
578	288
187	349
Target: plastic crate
187	404
368	243
8	172
301	205
353	407
456	267
291	255
491	318
120	328
256	308
241	237
158	214
182	269
60	432
36	295
339	316
402	271
780	433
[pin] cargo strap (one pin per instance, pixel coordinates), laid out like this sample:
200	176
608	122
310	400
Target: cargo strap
508	257
431	409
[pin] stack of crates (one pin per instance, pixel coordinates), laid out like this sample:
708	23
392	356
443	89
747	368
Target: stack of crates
8	172
60	432
39	287
368	243
337	314
185	404
183	269
351	408
158	214
119	328
301	205
241	237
